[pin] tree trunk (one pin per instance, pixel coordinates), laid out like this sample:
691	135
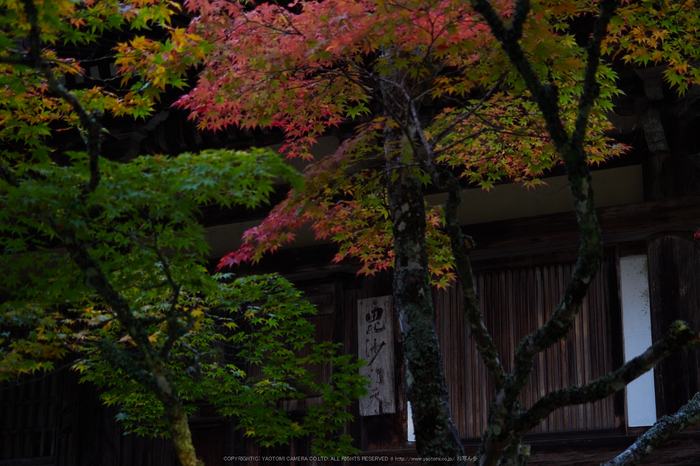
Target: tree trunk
182	438
436	436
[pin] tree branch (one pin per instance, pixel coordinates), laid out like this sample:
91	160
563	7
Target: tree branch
96	279
515	31
499	434
591	88
461	245
175	329
471	111
573	155
679	337
89	121
664	428
545	95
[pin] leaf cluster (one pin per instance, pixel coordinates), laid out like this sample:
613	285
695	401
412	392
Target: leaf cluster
661	33
106	261
252	349
430	69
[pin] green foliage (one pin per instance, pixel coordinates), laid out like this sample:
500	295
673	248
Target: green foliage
251	349
663	33
106	260
141	219
140	223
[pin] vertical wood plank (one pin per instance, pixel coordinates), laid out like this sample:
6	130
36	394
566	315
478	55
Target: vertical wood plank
516	300
674	268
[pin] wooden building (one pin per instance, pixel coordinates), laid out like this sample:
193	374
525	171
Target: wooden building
526	243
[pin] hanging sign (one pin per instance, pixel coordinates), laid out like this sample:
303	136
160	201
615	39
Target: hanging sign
376	346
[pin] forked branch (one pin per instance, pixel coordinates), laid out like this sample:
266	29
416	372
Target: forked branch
570	148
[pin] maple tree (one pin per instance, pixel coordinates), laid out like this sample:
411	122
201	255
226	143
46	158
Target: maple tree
440	93
106	259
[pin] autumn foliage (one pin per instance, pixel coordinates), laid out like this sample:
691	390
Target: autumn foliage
415	90
484	91
308	67
106	261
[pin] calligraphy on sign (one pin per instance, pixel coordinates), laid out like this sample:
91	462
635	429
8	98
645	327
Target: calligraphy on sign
376	346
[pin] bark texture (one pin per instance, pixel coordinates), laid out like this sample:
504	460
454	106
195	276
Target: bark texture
501	441
436	436
664	428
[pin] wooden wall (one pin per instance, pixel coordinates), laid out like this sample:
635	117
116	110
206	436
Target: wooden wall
54	420
89	434
28	417
517	297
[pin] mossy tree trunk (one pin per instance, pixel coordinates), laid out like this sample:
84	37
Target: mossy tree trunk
436	435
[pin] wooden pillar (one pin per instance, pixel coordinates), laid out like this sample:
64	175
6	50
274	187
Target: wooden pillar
670	124
674	268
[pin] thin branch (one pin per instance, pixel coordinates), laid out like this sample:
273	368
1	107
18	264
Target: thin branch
89	121
522	9
147	288
664	428
175	329
591	87
96	279
457	142
472	110
545	95
461	245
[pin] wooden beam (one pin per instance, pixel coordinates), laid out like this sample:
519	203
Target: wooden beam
631	222
572	449
504	238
